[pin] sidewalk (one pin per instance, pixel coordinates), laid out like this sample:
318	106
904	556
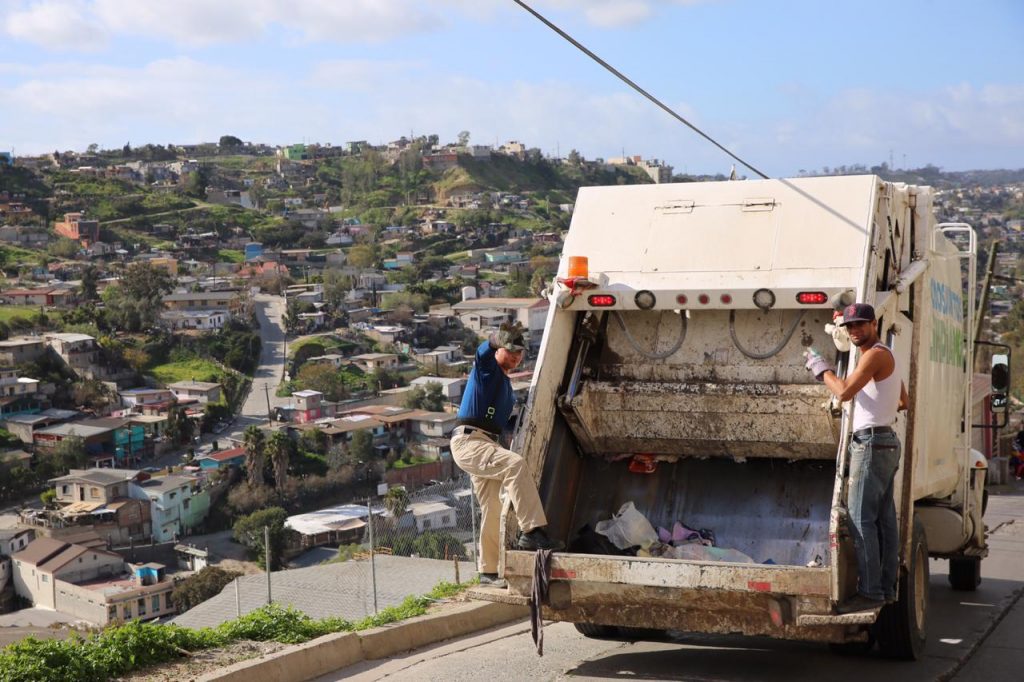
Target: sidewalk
999	655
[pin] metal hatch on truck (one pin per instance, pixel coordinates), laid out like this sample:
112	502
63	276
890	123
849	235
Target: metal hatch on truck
712	238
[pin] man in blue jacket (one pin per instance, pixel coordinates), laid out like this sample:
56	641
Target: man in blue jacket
484	413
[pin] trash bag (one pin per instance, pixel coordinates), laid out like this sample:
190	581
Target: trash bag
697	552
589	542
628	528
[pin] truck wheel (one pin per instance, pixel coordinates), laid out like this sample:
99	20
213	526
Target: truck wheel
900	628
635	634
965	573
596	631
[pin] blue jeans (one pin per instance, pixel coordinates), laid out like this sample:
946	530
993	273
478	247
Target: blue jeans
874	460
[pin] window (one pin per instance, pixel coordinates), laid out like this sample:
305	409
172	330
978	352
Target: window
173	495
94	492
111	613
45	577
126	611
185	502
167	600
64	489
156	603
142	606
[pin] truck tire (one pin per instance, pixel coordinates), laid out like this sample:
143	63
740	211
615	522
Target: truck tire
900	628
596	631
965	573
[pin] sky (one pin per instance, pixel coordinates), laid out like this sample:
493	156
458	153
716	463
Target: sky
787	85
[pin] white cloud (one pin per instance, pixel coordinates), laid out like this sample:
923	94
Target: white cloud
617	13
358	74
86	24
56	24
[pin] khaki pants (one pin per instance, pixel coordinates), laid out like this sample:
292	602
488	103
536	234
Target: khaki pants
493	468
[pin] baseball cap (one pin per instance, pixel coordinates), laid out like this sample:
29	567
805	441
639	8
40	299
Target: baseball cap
858	312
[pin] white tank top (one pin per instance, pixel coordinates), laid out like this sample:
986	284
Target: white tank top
877	402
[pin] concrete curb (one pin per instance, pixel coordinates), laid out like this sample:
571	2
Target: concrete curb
339	650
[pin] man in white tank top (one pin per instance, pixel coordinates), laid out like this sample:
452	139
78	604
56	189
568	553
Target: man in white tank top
878	393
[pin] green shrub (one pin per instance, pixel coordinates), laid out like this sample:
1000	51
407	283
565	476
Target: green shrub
120	649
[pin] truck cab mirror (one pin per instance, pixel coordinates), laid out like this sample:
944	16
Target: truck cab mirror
1000	383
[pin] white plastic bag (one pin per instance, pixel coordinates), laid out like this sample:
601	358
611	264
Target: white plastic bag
628	528
698	552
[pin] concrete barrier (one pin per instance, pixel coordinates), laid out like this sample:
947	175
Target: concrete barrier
340	650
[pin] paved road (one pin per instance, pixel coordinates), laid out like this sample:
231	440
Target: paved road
972	636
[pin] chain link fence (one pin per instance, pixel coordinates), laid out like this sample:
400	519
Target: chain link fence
418	539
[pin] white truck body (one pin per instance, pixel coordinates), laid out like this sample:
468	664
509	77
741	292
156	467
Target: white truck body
681	365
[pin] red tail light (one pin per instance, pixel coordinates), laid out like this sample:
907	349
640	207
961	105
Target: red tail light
703	298
681	299
726	299
812	297
601	300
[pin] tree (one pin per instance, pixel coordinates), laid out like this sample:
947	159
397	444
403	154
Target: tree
254	441
324	378
229	141
361	256
361	446
70	453
204	585
249	531
314	441
90	280
463	138
396	501
48	497
179	427
279	449
428	397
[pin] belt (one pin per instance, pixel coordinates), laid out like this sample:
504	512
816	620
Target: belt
872	431
467	430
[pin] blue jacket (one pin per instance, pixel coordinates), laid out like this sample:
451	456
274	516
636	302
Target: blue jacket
488	400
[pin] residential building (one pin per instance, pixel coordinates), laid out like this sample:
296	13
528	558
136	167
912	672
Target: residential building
78	351
21	349
433	516
81	230
24	426
204	300
178	504
18	395
93	584
530	312
54	297
332	526
222	459
11	459
202	320
373	361
203	391
137	397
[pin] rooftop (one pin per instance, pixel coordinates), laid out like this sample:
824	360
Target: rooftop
164	484
75	429
97	476
193	385
324	520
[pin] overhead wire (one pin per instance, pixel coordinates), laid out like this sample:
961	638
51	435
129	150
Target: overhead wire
633	85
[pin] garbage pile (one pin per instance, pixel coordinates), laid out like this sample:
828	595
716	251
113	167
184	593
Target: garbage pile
631	533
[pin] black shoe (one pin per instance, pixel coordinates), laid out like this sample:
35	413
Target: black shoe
492	580
860	603
538	539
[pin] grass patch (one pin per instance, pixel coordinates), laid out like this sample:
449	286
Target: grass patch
186	370
120	649
9	311
415	461
15	255
231	256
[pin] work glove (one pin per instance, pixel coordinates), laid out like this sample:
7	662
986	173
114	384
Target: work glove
510	337
817	364
839	335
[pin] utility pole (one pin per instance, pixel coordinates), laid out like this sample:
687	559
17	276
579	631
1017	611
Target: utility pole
270	415
266	556
373	563
979	315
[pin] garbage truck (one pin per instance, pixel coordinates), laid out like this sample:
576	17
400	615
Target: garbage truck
670	380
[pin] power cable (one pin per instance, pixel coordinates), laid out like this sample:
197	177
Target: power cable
633	85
